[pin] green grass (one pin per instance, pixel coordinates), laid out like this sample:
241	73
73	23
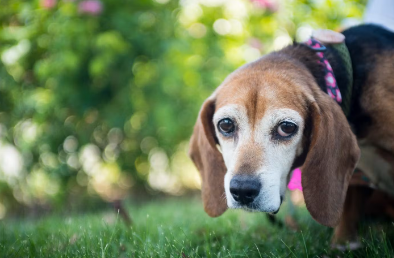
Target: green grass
179	228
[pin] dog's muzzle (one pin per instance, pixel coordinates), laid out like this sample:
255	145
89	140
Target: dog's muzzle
245	189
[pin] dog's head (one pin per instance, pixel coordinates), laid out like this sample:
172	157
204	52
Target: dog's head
266	119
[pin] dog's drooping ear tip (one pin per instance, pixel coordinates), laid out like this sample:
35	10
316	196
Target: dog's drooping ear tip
214	212
328	220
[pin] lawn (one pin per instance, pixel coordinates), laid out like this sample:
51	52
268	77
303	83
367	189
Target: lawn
178	227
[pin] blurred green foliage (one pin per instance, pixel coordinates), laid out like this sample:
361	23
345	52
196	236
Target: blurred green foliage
94	94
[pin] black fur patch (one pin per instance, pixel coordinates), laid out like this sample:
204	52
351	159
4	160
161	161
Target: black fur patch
365	42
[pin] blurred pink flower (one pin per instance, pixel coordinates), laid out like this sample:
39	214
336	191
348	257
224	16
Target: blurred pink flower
271	5
93	7
47	4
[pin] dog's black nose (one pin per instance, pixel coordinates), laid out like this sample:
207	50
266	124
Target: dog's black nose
244	189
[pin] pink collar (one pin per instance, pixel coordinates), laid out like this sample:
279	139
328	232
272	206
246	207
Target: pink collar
331	83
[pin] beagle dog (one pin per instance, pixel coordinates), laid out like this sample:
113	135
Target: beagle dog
303	106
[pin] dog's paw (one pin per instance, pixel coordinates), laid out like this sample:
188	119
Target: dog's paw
349	246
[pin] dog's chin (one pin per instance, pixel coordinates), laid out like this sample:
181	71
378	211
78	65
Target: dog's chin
257	207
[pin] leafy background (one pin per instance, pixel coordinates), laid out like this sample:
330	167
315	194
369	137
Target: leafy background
98	98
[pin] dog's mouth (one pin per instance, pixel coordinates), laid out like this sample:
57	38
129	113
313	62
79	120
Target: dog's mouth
253	207
275	212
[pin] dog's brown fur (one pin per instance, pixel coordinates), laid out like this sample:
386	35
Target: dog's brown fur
290	78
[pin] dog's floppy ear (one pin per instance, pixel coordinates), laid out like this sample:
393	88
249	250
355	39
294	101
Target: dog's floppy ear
209	161
330	161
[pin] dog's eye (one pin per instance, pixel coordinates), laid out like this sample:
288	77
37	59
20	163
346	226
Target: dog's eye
286	129
226	126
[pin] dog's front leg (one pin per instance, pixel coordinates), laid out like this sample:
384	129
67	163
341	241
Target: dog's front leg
345	234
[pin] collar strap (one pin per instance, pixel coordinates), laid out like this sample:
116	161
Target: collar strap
329	77
337	41
347	62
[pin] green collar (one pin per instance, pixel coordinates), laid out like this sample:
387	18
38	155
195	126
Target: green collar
347	61
335	40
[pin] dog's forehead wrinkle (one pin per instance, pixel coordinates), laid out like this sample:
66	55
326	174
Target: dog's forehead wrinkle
261	89
282	81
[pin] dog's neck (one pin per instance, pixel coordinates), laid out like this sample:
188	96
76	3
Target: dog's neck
308	57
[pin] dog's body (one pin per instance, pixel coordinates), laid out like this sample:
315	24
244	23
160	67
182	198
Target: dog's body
273	115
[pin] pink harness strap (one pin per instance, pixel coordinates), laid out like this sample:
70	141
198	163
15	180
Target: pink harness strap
331	83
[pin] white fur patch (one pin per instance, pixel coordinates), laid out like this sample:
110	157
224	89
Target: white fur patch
228	146
277	155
